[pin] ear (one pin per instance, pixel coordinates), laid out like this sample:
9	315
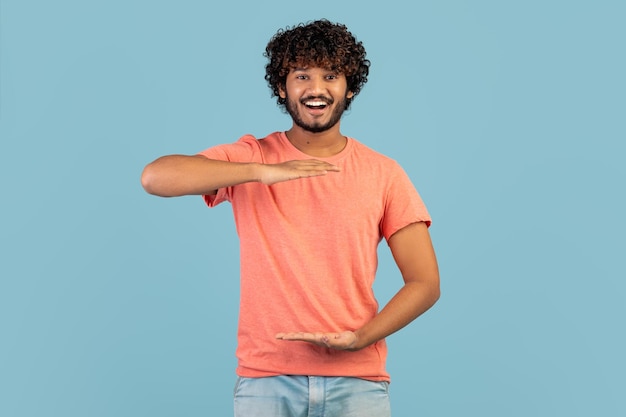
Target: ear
350	94
281	91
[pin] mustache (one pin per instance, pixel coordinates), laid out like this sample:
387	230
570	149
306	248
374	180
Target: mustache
327	100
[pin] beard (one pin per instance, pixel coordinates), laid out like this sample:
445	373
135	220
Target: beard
316	127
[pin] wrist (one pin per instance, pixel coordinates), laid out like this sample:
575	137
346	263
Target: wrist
256	171
358	341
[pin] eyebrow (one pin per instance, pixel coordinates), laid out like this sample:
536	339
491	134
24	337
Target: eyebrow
306	69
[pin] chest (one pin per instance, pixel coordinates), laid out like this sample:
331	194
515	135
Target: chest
346	203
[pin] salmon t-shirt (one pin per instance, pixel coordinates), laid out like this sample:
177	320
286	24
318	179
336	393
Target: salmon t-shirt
308	255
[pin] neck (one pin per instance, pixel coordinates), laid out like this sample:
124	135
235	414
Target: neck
322	144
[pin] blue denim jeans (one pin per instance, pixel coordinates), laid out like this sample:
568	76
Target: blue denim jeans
311	396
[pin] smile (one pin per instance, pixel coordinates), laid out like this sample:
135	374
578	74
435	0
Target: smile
316	103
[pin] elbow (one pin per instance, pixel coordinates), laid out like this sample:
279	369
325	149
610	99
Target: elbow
432	291
149	180
436	294
436	289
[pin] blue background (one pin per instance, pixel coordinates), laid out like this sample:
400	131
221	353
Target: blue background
508	116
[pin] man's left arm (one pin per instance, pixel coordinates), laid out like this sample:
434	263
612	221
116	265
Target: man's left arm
413	252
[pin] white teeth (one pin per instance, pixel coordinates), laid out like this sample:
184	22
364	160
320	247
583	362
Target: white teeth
315	103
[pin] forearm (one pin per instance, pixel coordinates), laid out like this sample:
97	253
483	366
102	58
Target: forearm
177	175
413	299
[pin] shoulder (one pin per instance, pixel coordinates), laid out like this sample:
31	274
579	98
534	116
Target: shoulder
373	157
273	140
246	148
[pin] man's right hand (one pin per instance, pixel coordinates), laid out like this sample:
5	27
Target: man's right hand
291	170
177	175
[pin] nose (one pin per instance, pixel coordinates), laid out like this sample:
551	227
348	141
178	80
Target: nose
317	86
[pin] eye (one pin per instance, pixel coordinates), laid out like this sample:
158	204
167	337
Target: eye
331	77
299	74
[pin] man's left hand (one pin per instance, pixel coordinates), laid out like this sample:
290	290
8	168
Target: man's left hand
342	341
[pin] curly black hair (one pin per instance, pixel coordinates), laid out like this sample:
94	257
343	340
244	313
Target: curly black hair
322	44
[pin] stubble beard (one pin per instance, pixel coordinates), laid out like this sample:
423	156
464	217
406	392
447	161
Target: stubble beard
316	127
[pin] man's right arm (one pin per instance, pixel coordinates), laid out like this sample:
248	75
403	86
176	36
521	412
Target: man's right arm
178	175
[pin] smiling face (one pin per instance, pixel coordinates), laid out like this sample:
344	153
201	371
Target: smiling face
315	98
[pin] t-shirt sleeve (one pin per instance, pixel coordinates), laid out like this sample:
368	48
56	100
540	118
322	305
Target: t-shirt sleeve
403	205
244	150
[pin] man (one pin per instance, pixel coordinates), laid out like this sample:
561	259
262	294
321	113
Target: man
311	206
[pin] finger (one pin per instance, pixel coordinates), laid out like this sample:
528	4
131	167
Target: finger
316	338
316	164
329	167
296	336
